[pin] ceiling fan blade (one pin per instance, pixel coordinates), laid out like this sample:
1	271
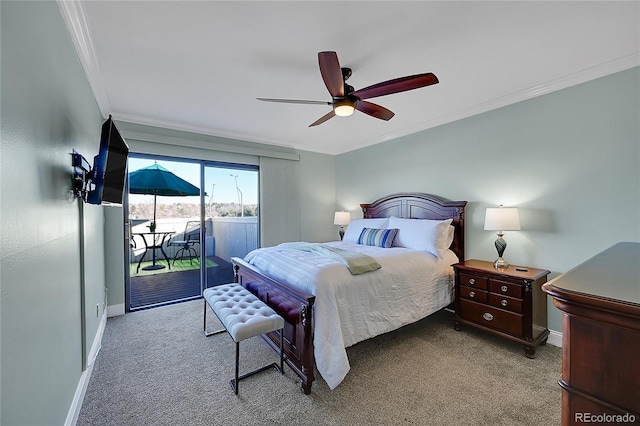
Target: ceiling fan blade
374	110
323	118
294	101
331	73
397	85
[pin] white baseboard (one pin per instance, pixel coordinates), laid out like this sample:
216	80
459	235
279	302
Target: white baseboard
115	310
555	338
83	383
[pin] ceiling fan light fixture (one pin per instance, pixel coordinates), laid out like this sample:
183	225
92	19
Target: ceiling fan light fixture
344	108
345	100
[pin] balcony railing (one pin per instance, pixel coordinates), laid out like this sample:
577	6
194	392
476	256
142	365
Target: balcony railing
225	237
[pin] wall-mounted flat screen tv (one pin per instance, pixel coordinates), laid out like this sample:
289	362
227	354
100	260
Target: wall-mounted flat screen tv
109	167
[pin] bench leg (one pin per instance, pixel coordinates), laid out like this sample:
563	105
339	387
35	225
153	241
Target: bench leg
235	382
204	326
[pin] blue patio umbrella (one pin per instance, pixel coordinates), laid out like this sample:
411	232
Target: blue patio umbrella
156	180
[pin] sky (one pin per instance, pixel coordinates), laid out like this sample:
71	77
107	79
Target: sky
220	183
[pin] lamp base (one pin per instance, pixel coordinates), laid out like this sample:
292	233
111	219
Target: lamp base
341	233
501	246
500	263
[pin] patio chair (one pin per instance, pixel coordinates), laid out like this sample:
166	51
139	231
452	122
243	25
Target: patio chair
191	237
135	249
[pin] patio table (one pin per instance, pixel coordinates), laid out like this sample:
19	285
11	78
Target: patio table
153	241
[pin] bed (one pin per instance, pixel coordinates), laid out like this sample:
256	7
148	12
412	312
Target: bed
323	317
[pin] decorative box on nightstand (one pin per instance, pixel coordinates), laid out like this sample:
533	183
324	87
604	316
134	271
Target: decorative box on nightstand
505	302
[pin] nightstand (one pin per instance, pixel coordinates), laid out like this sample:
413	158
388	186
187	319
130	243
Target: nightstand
504	302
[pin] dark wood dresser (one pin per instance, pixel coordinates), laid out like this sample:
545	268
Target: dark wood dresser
600	301
505	301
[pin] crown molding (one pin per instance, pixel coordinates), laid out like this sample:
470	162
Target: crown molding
76	20
199	130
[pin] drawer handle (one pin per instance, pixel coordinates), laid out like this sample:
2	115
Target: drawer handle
472	281
472	294
504	288
487	316
503	302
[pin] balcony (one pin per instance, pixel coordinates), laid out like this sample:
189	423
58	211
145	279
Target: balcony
225	237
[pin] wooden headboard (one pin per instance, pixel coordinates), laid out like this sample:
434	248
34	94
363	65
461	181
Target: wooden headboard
415	205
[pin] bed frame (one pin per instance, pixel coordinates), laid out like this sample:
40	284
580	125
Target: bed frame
296	306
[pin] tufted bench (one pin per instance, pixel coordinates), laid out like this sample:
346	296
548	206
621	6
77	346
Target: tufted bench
243	315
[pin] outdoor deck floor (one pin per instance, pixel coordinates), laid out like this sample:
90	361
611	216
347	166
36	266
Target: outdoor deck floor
171	287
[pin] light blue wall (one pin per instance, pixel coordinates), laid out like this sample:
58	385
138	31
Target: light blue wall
570	161
114	246
317	197
47	110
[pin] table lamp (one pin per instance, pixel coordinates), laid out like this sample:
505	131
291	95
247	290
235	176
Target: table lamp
501	219
341	218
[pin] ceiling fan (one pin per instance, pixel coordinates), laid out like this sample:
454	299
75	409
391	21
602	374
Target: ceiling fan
345	99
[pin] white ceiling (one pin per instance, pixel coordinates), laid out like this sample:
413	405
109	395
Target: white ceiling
199	66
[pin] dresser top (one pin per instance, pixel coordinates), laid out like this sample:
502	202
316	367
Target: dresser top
511	271
613	274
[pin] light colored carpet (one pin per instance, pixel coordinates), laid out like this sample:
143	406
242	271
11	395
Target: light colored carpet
156	368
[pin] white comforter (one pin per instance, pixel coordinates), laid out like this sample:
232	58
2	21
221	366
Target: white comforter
350	308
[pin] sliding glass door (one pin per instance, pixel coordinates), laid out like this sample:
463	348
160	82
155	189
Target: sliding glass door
231	217
182	238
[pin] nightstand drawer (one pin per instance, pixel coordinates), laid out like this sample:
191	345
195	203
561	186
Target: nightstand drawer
505	288
473	294
473	281
505	302
488	316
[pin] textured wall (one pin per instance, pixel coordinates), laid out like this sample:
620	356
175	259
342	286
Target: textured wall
47	109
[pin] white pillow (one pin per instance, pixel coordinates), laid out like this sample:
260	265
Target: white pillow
432	236
449	239
356	226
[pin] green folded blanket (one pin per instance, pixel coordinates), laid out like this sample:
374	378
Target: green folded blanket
357	263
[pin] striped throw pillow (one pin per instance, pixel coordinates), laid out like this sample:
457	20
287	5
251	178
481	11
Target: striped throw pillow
377	237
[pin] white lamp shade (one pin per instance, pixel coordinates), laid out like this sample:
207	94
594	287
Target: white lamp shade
502	219
342	218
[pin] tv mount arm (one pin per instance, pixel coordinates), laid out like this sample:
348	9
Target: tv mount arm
81	178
